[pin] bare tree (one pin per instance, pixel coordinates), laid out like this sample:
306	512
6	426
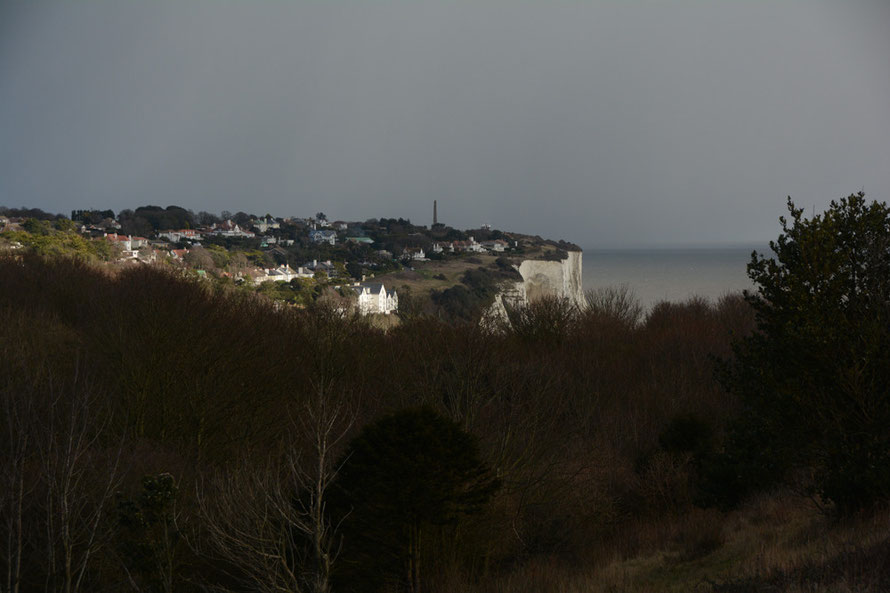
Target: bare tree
268	522
57	465
17	450
78	475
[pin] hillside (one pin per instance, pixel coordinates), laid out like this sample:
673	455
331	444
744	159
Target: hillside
206	416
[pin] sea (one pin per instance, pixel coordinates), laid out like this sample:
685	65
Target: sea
671	274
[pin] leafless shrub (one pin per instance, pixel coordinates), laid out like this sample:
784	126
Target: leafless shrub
618	303
267	521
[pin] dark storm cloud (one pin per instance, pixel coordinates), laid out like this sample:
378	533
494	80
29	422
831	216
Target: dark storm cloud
596	121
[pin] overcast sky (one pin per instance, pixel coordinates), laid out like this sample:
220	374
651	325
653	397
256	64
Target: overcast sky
603	122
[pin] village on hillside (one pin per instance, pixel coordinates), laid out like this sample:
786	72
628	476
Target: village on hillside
295	260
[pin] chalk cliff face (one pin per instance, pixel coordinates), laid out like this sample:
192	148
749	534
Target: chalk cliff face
545	278
553	278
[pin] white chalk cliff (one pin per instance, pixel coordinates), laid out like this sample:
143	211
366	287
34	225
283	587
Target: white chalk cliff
542	278
562	279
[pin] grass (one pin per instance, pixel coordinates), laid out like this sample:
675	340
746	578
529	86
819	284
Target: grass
422	279
777	543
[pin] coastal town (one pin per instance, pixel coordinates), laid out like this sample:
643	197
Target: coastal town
293	259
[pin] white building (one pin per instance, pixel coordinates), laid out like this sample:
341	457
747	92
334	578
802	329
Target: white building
129	245
374	298
415	253
323	236
282	274
228	228
180	235
264	224
497	245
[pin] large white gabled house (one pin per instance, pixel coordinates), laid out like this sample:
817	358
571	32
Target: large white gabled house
374	298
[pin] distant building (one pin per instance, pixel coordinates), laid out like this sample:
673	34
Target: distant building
374	298
323	236
497	245
227	228
181	235
264	224
470	245
282	273
415	253
129	245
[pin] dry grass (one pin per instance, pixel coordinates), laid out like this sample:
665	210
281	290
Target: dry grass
422	279
777	543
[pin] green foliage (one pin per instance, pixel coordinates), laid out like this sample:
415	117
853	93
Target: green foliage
44	241
65	225
814	378
478	288
37	227
220	255
91	216
354	270
401	478
556	255
149	219
147	534
27	213
298	291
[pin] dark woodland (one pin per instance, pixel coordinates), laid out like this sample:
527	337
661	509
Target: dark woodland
160	433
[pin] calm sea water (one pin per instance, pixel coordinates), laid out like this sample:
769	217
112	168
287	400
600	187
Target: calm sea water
670	274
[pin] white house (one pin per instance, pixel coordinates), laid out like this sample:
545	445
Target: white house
230	229
496	245
323	236
415	253
264	224
470	245
283	273
128	244
374	298
473	246
181	235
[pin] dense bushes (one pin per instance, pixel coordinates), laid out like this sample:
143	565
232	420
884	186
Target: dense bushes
247	407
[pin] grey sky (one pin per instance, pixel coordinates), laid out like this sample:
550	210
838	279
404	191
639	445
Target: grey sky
603	122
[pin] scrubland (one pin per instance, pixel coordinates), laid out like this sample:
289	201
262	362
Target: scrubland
158	431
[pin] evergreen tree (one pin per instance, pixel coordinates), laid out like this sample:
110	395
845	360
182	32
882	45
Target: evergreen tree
402	479
814	377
